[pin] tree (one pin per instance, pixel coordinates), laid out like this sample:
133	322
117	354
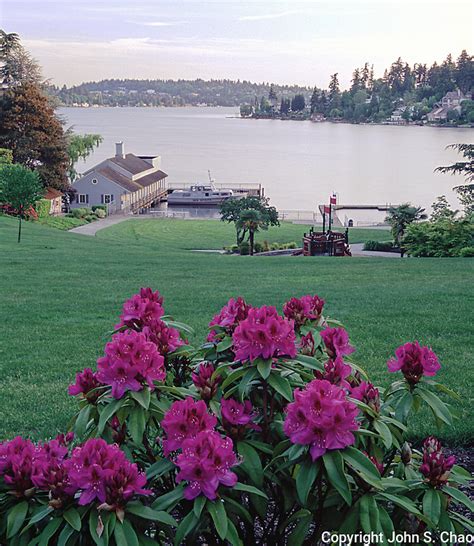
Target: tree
466	168
272	96
17	64
6	157
232	208
442	210
250	221
80	147
246	110
400	217
464	73
298	103
285	106
20	189
334	97
314	101
31	130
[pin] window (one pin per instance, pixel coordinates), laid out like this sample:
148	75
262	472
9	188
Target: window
94	180
108	198
83	198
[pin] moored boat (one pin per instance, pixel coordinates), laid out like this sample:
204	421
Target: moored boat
201	194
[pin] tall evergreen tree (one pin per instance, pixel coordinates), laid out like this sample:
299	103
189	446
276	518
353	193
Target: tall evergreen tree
334	96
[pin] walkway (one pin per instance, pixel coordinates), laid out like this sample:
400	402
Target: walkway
357	250
92	228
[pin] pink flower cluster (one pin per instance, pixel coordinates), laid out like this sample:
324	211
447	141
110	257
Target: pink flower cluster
130	361
336	371
264	334
414	361
17	459
185	419
336	341
166	339
233	312
142	309
102	472
302	310
86	385
367	393
204	382
205	462
322	417
435	466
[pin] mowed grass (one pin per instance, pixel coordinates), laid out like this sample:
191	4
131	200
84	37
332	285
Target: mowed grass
62	292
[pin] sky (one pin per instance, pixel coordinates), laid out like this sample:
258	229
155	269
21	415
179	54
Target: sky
300	42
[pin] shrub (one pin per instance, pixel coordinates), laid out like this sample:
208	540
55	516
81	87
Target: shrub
441	238
42	207
90	217
275	246
379	246
95	208
258	247
80	212
266	246
100	213
244	248
467	252
268	433
291	245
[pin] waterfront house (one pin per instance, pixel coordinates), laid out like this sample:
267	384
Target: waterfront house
397	115
451	101
125	183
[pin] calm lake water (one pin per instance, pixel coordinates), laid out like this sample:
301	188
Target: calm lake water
298	163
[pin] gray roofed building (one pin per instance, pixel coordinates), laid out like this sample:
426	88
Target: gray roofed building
124	183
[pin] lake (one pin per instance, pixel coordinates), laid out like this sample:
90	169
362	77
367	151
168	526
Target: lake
299	163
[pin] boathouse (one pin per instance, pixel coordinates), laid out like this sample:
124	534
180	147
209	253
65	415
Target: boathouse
124	183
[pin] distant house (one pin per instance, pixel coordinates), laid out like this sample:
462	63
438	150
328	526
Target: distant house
317	116
397	115
56	199
125	183
451	101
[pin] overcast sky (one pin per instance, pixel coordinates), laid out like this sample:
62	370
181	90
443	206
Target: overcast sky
274	41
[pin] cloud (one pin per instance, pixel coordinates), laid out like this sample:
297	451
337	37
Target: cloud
265	16
159	23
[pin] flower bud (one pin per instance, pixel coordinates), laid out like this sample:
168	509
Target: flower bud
406	453
204	382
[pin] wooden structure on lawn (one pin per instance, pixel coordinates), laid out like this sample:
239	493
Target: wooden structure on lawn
326	243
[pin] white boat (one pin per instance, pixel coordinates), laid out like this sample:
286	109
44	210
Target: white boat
201	194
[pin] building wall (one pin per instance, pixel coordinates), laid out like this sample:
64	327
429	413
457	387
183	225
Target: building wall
94	192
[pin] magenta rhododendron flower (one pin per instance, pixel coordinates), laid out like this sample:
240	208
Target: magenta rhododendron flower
167	339
435	467
367	393
414	361
102	473
336	371
304	309
86	381
185	419
204	382
336	341
205	463
264	334
130	361
322	417
142	309
233	312
307	345
16	464
235	413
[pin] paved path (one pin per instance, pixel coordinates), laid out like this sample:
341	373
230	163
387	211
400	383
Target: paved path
357	250
92	228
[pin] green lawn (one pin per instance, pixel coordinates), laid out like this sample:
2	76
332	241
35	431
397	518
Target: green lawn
61	292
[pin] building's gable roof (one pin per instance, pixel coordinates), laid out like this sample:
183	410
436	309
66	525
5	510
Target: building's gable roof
132	163
52	193
131	185
151	178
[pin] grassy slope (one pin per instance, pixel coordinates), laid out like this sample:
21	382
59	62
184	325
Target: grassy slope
62	292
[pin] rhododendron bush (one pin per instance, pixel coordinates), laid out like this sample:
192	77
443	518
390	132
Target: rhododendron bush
268	433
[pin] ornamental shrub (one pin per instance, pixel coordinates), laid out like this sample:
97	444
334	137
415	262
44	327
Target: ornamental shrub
268	433
42	207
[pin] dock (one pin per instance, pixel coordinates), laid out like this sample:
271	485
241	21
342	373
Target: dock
241	188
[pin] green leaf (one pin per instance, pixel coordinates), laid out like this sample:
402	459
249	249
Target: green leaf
143	397
305	480
38	516
93	525
402	502
438	407
246	379
136	424
199	503
386	523
459	496
219	517
281	385
16	517
82	420
179	326
298	535
107	412
403	406
363	466
237	508
73	518
187	524
384	432
224	345
159	468
264	367
145	512
249	489
251	463
432	505
170	499
233	376
309	362
334	464
65	535
49	531
233	535
369	514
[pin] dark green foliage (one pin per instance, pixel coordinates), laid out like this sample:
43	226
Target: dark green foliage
379	246
465	168
400	217
298	103
244	248
6	156
79	147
